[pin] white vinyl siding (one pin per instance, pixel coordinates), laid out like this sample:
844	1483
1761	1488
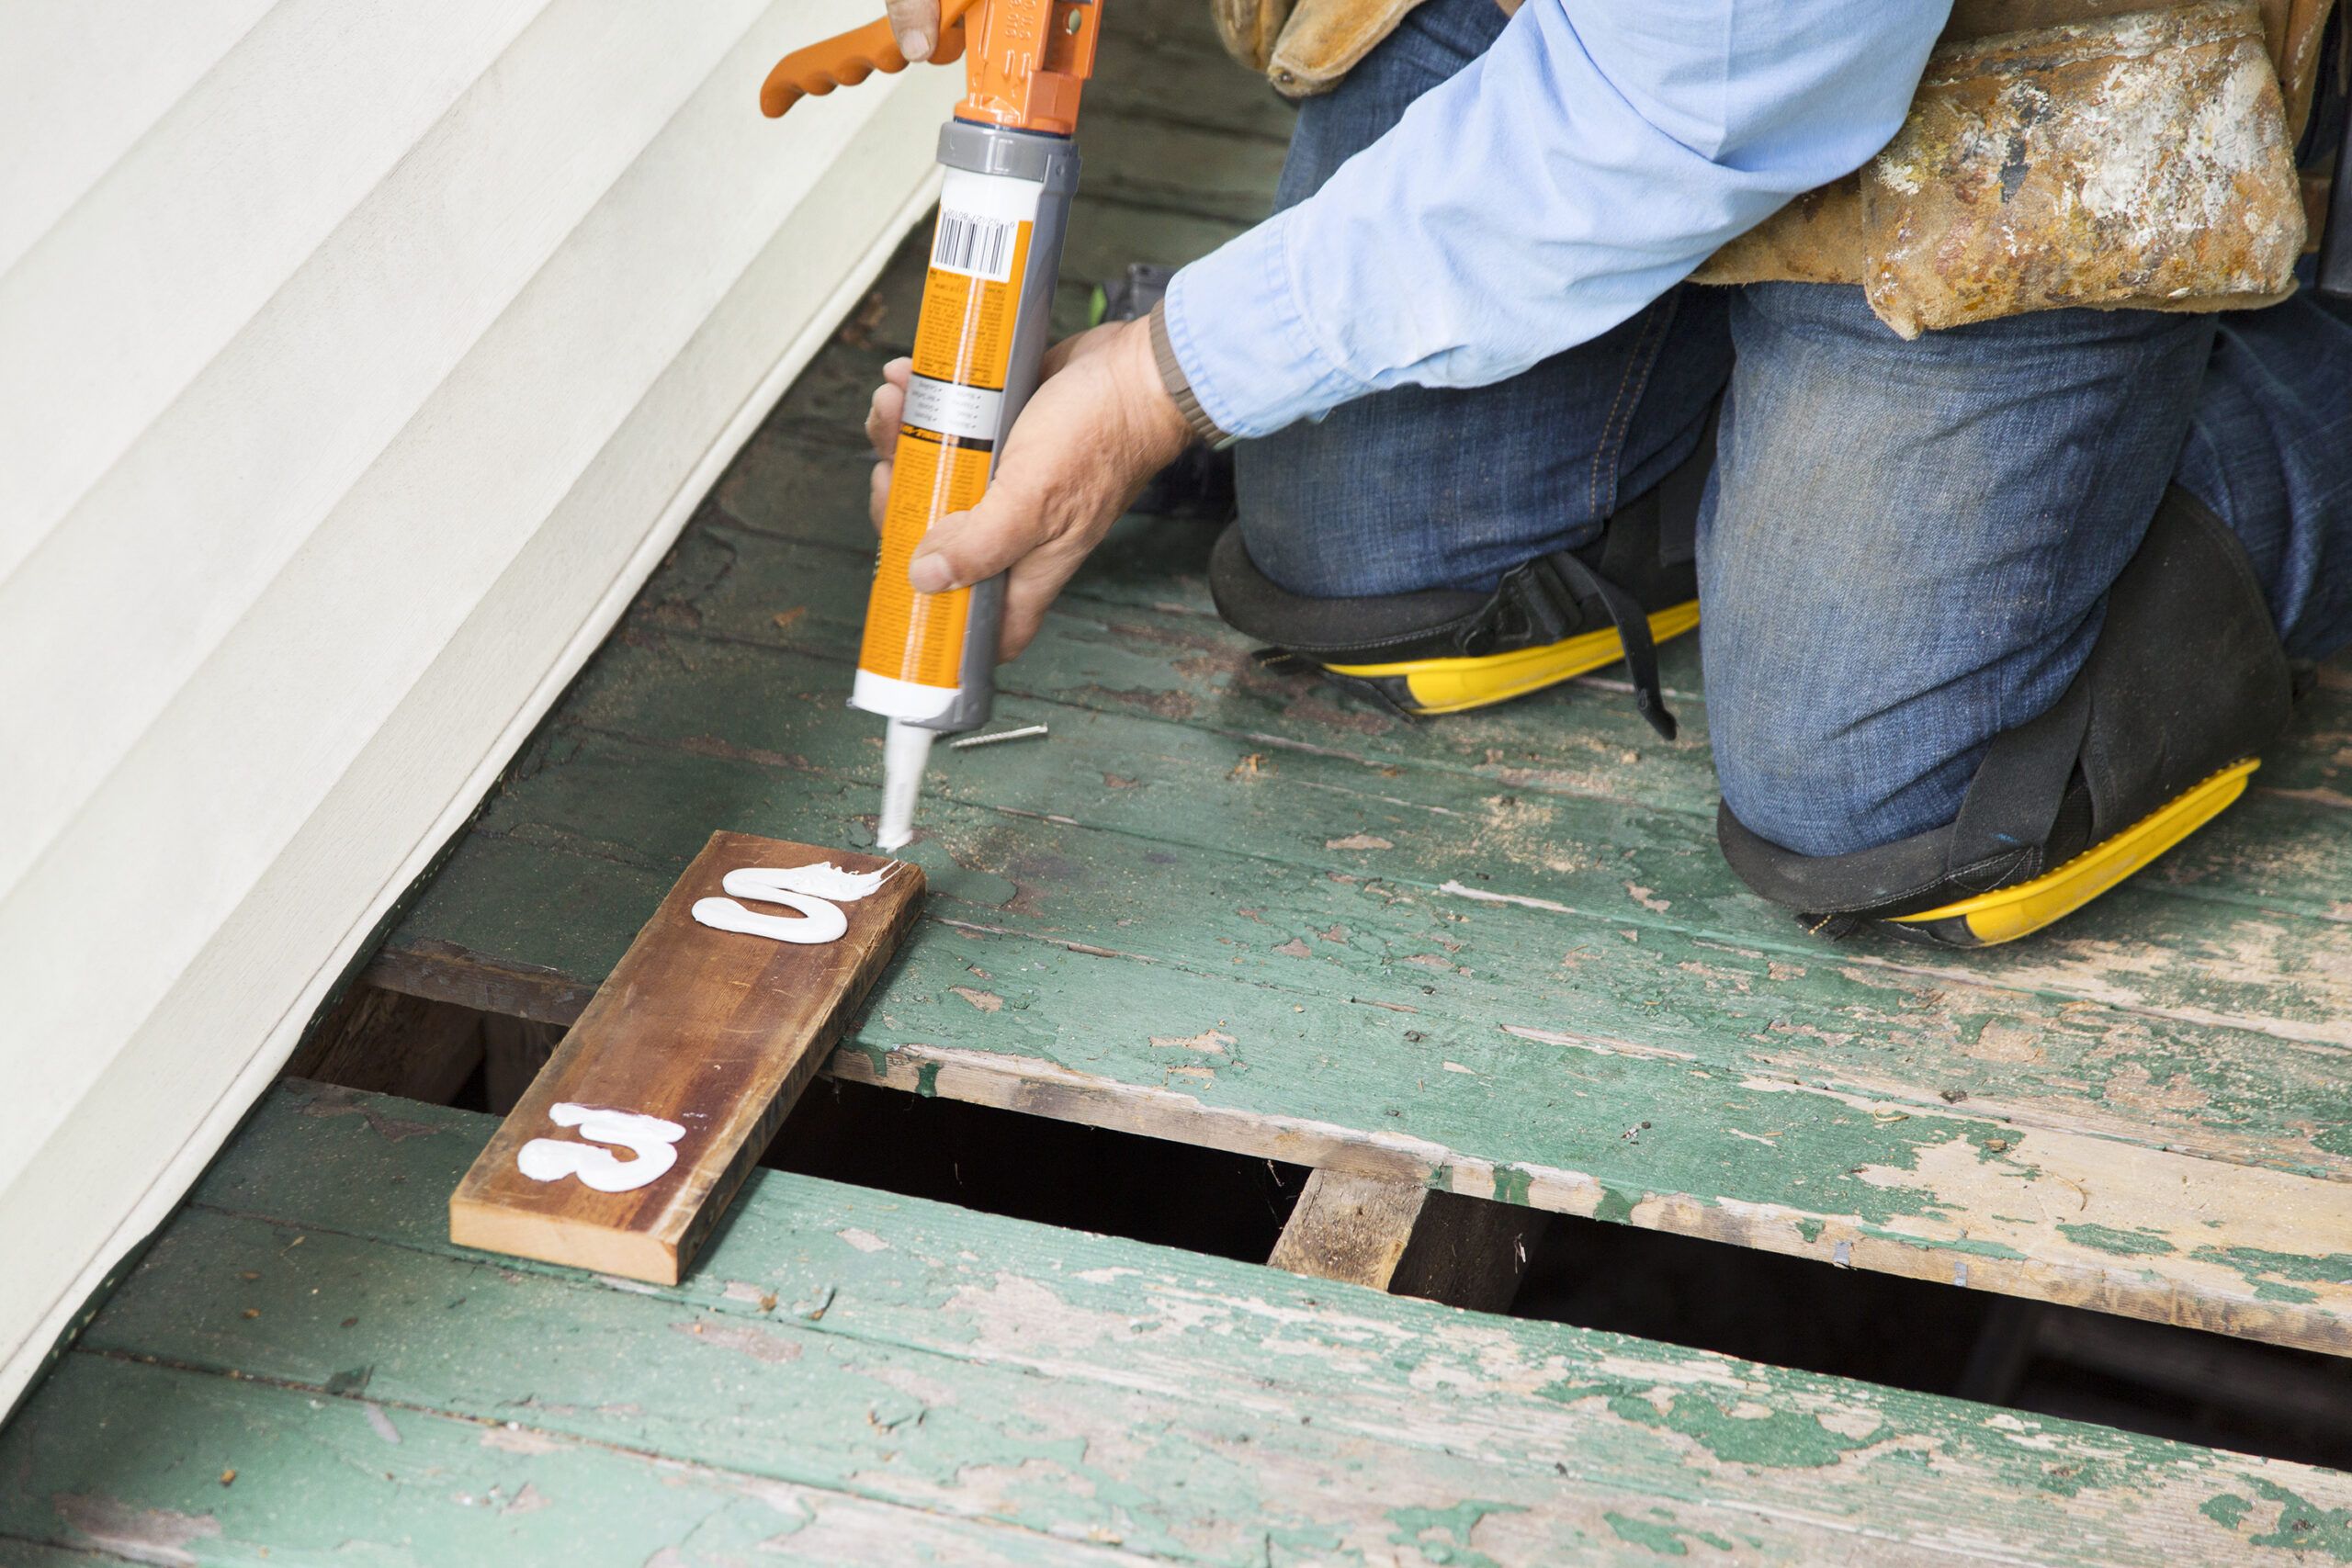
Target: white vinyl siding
344	399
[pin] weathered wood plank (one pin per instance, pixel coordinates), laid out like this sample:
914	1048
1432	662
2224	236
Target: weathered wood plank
117	1461
1407	1239
392	1043
2224	956
513	1050
706	1038
1821	1016
1181	77
1055	1384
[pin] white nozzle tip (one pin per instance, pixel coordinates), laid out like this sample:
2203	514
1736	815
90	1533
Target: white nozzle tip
906	750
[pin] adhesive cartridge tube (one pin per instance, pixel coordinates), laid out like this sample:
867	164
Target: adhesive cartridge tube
927	660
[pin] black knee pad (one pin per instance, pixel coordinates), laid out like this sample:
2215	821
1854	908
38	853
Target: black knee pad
2157	733
1446	650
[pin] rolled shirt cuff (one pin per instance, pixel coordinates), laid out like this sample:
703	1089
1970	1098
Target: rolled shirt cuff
1178	385
1240	340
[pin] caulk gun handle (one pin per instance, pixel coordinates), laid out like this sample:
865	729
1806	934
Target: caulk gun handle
847	58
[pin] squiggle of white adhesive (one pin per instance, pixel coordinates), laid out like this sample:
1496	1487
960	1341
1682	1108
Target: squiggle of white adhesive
810	889
650	1138
824	881
820	921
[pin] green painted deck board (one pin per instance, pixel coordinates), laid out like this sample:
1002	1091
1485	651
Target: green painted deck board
1205	852
847	1366
117	1453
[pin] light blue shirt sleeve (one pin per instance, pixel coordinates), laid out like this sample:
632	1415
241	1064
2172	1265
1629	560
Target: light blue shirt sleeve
1586	163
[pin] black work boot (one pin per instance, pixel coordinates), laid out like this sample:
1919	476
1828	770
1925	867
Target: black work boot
1445	650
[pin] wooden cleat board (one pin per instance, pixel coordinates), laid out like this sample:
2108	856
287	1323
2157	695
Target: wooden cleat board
687	1059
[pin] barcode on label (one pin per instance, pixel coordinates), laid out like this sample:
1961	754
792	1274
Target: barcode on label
971	243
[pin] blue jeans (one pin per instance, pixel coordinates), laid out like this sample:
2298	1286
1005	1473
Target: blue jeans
1905	548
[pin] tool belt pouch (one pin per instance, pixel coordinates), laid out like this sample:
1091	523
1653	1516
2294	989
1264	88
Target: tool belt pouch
2142	160
1305	47
1248	29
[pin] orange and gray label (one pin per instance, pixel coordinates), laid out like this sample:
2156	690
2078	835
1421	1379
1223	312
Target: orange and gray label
968	413
954	415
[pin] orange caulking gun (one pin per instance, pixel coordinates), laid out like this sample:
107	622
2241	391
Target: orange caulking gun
928	661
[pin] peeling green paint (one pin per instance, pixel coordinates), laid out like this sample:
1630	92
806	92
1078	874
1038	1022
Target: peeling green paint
1616	1206
2073	1477
1809	1230
927	1080
1660	1539
1567	1391
2227	1509
1414	1525
1306	1543
1666	1539
2304	1527
2123	1242
1512	1184
2272	1290
1994	1144
1779	1439
2251	1261
876	1051
2268	1272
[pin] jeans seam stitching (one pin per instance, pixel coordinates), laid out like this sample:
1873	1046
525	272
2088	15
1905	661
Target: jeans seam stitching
1647	344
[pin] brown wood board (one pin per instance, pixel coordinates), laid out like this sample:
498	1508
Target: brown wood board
389	1042
1408	1239
712	1031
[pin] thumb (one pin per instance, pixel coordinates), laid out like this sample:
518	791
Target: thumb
965	548
916	22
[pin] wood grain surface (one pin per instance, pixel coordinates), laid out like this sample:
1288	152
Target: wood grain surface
714	1032
1402	1238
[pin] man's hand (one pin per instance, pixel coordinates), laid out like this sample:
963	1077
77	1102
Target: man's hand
1099	424
917	23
